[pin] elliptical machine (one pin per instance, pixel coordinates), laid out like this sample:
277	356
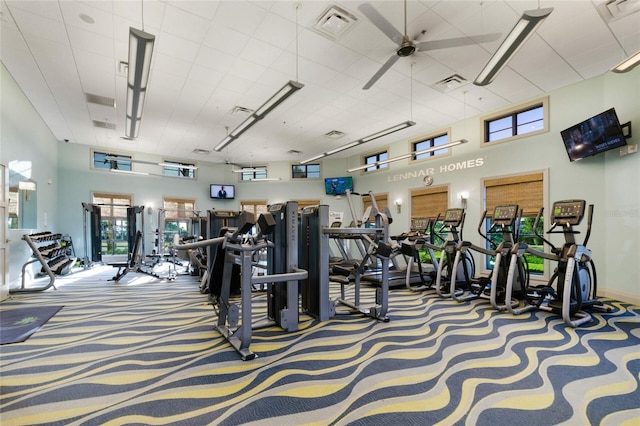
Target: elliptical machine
575	273
447	280
505	220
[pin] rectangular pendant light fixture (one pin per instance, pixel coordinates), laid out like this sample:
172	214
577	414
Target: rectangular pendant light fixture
628	64
405	156
524	28
140	52
366	139
163	164
280	96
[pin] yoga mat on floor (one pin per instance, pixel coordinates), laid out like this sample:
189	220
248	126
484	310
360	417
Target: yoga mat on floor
17	325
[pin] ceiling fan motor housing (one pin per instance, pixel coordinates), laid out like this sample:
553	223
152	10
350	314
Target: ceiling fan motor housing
407	48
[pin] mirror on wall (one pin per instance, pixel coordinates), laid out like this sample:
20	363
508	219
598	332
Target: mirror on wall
23	196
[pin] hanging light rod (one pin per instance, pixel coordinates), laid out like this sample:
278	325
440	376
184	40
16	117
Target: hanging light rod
250	170
405	156
131	172
366	139
264	179
628	64
280	96
140	52
524	28
164	164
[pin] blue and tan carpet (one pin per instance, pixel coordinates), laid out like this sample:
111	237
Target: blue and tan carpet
144	351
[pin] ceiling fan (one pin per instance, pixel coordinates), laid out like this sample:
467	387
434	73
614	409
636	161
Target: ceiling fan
407	46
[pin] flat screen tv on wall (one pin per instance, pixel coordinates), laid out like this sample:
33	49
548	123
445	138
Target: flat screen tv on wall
338	185
594	135
222	192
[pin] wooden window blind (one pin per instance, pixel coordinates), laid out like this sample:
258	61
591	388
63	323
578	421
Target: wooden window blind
429	202
381	200
112	205
178	208
525	190
306	203
255	207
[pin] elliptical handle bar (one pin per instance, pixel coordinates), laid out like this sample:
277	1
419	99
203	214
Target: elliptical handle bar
589	220
535	229
484	216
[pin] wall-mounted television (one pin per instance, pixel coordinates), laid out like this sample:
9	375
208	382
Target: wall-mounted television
338	185
222	192
594	135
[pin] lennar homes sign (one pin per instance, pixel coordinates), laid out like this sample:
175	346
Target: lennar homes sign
451	167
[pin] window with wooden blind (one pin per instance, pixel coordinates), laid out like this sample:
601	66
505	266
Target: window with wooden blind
527	191
256	207
524	190
113	223
178	218
429	202
381	201
178	208
306	203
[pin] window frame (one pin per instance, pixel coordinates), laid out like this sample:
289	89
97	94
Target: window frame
247	176
306	172
93	166
375	153
192	173
513	112
429	137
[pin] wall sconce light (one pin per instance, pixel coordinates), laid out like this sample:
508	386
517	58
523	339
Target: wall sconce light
524	28
140	51
398	204
464	196
280	96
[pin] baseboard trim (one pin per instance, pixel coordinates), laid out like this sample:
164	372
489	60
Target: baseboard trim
620	295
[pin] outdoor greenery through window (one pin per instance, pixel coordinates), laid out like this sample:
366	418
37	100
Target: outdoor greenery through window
373	159
113	223
430	143
178	218
100	161
177	169
305	171
525	191
519	122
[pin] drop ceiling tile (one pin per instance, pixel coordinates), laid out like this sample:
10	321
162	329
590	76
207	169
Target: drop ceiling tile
73	13
243	17
226	39
277	31
259	52
39	27
184	24
176	47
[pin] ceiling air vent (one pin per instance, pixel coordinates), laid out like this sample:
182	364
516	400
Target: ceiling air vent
200	151
100	100
612	10
241	110
334	22
334	134
451	83
104	125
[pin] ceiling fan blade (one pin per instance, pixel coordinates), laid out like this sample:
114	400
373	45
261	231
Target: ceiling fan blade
456	42
392	60
381	22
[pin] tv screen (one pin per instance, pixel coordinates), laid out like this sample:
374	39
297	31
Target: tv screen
338	185
597	134
222	192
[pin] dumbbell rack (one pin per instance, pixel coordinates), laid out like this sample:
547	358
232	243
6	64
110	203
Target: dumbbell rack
53	257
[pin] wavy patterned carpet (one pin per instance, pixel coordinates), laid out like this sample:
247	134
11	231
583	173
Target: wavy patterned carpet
145	352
